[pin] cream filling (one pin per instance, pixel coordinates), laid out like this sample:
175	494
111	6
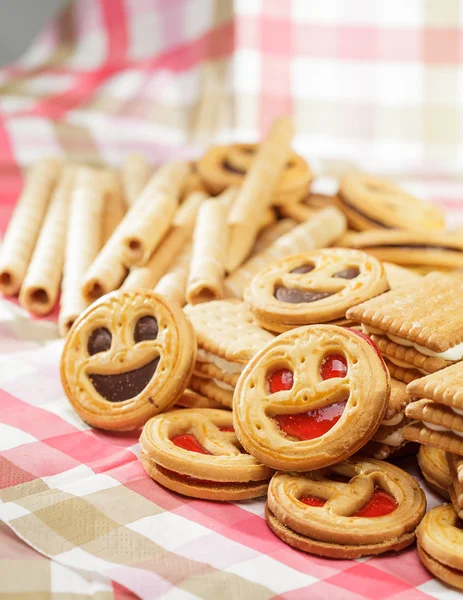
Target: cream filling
223	385
394	420
226	366
394	439
458	411
440	428
453	353
400	363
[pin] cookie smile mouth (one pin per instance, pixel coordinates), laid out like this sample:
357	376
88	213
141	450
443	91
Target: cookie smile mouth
123	386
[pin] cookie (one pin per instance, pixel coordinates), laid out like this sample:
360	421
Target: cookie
425	249
228	336
440	540
307	207
372	203
356	508
129	356
426	315
191	399
195	452
390	431
226	166
311	398
433	465
403	374
455	465
438	410
313	287
214	389
398	276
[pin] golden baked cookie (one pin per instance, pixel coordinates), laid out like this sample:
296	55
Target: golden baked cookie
440	542
311	398
226	166
195	452
353	509
314	287
129	356
433	465
370	202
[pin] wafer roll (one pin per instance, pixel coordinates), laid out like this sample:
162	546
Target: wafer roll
173	284
41	284
271	233
84	239
207	268
323	230
170	247
115	206
25	224
152	214
135	174
255	195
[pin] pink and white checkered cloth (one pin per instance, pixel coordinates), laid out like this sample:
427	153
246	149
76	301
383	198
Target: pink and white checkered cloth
373	84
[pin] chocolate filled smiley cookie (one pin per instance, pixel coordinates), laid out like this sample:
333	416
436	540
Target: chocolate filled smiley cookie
126	358
314	287
311	398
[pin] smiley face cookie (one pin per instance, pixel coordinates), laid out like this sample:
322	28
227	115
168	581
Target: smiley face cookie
195	452
353	509
129	356
314	287
311	398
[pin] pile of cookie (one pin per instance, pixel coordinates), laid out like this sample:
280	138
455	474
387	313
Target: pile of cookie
267	349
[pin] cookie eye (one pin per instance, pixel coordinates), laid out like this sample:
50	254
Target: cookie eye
303	269
145	329
280	380
99	341
333	365
349	273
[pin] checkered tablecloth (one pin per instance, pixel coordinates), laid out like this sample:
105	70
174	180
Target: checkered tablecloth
373	84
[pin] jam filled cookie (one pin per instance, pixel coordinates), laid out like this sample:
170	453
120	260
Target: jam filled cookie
314	287
311	398
371	203
353	509
440	540
129	356
435	469
195	452
455	465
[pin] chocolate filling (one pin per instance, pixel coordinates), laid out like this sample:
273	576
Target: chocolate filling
99	341
145	329
414	247
228	167
303	269
294	296
349	273
122	386
362	214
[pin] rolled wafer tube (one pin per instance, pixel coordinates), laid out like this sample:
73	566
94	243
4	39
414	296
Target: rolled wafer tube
152	214
170	247
40	288
115	206
135	174
271	233
207	268
327	226
83	241
21	236
255	194
173	284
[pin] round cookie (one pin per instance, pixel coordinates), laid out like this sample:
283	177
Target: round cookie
313	287
195	452
311	398
129	356
226	166
435	469
440	543
370	202
353	509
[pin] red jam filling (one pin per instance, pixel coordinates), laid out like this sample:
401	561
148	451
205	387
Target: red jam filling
312	424
280	380
312	501
380	504
228	429
371	342
187	441
334	365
